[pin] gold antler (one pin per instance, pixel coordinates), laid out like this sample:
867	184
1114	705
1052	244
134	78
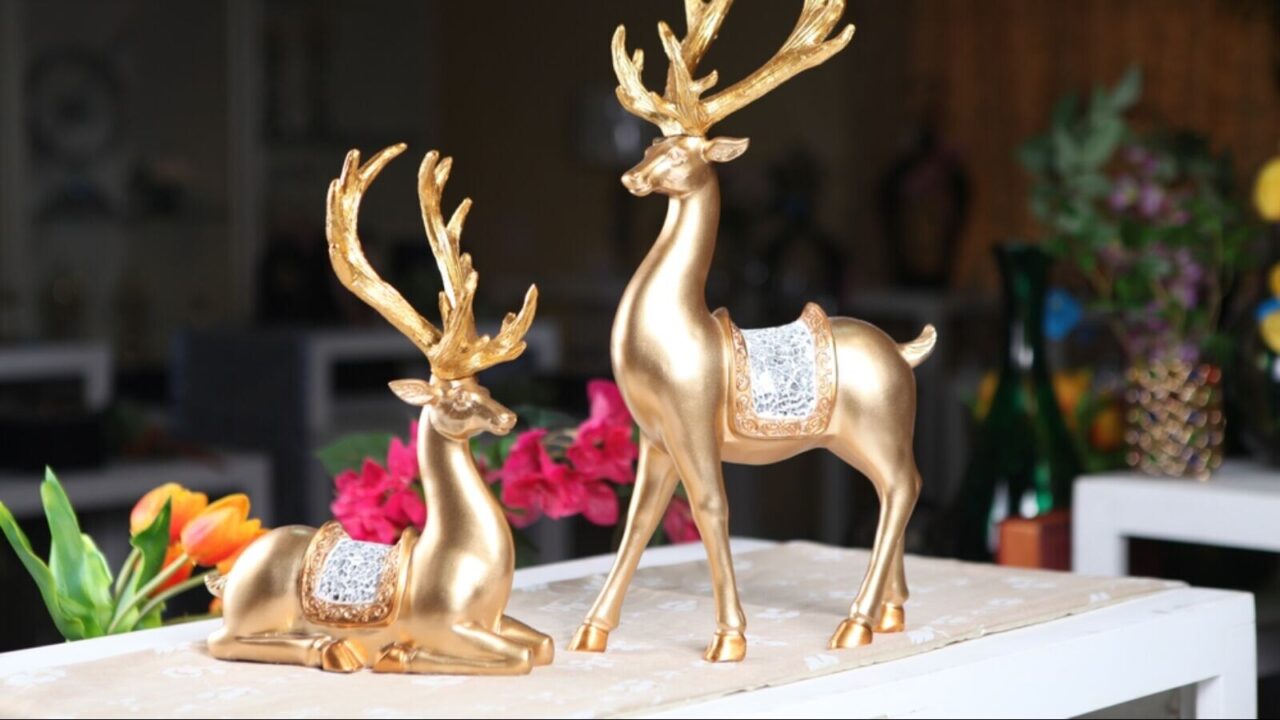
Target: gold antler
458	351
680	110
347	254
461	352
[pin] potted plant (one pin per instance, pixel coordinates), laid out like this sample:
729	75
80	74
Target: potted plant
1151	223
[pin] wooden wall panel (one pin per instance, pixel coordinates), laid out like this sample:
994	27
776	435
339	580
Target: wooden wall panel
1211	65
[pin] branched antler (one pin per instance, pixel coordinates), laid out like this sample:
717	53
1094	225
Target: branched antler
680	110
461	352
458	351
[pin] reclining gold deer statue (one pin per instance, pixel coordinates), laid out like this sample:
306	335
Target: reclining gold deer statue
704	391
429	604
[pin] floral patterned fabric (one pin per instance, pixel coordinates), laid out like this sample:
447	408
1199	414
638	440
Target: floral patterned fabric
794	596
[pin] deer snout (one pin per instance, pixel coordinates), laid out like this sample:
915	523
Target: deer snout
503	422
636	184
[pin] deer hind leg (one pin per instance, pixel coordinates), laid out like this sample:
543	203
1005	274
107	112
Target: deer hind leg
697	460
879	604
655	484
893	615
543	647
474	651
312	650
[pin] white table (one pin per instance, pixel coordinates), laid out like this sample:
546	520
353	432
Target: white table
1238	508
1200	639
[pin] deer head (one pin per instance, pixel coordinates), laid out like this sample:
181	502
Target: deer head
676	162
455	404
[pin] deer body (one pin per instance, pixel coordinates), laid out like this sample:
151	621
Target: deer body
431	604
674	360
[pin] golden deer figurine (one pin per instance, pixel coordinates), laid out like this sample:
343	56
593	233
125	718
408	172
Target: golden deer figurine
704	391
429	604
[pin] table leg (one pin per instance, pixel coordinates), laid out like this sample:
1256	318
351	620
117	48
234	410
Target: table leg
1233	693
1098	545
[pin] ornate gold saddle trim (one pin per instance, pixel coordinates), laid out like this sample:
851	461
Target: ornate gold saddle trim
384	601
747	420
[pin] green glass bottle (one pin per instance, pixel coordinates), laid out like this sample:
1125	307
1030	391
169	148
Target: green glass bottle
1024	460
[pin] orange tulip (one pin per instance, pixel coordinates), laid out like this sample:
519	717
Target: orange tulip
221	531
215	607
184	505
182	573
225	566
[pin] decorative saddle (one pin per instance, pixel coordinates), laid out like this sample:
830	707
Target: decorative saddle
349	582
783	380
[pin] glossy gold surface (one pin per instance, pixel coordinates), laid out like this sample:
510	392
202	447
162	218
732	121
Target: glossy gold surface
440	606
674	360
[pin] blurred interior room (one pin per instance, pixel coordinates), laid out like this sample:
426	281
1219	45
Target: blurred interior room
169	313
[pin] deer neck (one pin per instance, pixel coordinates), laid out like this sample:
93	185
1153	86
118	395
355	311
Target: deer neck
457	497
676	268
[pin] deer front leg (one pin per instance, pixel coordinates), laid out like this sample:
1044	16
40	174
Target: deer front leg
317	650
697	460
655	484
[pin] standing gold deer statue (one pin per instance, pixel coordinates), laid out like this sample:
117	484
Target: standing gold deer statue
429	604
704	391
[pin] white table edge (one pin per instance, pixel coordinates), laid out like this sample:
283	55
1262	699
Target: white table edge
1180	637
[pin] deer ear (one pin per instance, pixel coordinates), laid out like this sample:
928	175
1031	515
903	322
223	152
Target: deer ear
724	149
415	392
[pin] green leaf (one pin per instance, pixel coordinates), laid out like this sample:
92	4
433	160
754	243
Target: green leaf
350	452
538	417
1064	111
78	568
69	627
1065	154
151	544
1101	144
1126	92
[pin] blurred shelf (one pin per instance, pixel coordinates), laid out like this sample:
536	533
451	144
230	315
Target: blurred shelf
119	485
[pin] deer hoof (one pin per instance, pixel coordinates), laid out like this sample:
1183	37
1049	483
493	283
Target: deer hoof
589	638
394	659
726	646
893	619
851	633
340	656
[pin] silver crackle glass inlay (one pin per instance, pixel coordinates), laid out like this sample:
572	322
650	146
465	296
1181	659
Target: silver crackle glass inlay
783	371
351	572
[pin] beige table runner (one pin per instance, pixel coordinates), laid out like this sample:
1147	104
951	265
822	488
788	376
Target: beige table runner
794	596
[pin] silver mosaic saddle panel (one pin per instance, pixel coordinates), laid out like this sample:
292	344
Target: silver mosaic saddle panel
783	367
352	572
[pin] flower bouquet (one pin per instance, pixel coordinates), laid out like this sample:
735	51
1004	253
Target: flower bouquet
172	531
555	467
1151	223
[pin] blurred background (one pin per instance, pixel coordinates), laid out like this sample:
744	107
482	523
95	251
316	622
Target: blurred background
168	313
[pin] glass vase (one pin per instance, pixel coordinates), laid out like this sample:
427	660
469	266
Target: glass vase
1024	460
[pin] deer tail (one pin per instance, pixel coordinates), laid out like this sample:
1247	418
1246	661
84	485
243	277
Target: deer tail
919	350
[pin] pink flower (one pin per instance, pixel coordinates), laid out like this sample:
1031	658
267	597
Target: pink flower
602	451
359	505
602	447
607	404
402	457
678	522
600	503
536	485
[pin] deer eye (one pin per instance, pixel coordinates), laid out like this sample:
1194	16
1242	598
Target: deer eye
677	157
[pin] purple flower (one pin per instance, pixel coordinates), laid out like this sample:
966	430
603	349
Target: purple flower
1151	199
1124	194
